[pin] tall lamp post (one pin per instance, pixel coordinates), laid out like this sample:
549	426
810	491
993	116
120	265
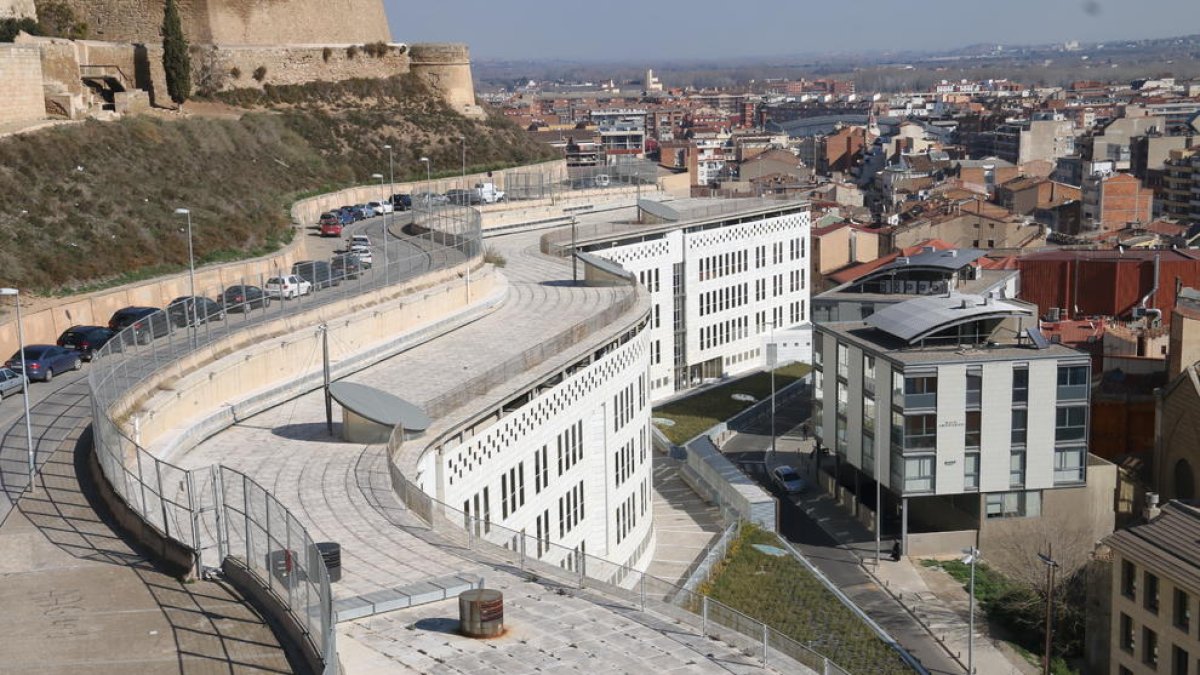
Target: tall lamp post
970	556
191	273
24	387
772	359
379	177
463	139
428	176
1051	564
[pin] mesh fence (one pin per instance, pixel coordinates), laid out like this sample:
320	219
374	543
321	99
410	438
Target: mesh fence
218	511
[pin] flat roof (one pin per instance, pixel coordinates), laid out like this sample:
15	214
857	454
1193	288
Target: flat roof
917	318
379	406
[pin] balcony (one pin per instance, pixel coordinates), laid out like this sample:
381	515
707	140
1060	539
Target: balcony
920	401
1075	392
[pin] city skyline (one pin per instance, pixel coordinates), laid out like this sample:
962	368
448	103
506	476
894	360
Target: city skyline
529	30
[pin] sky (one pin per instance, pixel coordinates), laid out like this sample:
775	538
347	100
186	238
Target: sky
646	30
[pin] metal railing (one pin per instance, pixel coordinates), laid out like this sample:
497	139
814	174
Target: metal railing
544	560
217	508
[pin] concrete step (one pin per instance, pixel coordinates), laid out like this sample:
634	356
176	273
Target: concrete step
403	597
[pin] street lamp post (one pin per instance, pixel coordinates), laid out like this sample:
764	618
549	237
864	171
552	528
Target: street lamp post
428	176
772	358
24	388
386	280
463	139
391	193
1051	565
191	273
970	557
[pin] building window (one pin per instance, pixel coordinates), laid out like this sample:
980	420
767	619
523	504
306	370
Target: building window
974	387
1179	661
1149	647
1020	388
818	349
971	471
1014	504
1016	469
1070	423
818	384
1020	422
843	399
1150	597
1069	464
918	474
868	374
1127	636
1182	610
916	432
920	391
868	454
843	361
973	431
1073	382
1128	580
868	422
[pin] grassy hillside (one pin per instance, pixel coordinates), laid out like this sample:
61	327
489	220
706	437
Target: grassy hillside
92	204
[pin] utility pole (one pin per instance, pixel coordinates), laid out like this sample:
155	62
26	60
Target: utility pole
1051	564
574	260
324	328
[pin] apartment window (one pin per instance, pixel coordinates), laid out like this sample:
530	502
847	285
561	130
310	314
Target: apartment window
818	349
1128	643
1182	610
1020	388
843	361
1069	464
918	432
1073	382
868	423
1149	647
1020	423
918	474
868	454
1070	423
1016	469
1128	580
973	430
971	471
1150	597
1179	661
818	384
920	391
1013	504
868	374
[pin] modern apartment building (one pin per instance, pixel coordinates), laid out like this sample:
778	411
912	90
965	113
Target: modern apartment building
962	410
1181	185
722	286
1155	587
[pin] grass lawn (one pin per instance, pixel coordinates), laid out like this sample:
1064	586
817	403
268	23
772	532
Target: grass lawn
698	412
781	592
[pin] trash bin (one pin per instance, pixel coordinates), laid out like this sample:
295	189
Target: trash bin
331	554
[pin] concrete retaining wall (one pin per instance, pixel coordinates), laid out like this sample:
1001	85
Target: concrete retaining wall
21	84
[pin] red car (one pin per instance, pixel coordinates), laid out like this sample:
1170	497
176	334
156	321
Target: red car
331	225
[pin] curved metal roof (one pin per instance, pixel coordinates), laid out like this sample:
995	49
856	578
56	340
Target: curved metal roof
916	319
379	406
949	260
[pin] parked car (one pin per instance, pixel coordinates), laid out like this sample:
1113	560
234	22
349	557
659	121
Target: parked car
348	216
401	202
86	340
328	218
428	199
462	197
286	287
10	381
144	323
43	361
360	240
243	298
332	229
316	272
787	479
380	208
206	309
362	212
346	266
364	255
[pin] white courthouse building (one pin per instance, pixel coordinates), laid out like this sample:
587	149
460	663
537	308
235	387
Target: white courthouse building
722	286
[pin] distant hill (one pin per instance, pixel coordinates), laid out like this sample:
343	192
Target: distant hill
92	204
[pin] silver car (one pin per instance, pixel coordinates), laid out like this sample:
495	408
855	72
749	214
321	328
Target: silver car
10	382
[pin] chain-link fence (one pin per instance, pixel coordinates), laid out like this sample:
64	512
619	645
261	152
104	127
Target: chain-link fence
218	508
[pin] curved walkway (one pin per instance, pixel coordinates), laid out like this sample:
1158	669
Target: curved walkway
342	492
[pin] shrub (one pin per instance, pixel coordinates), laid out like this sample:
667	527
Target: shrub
260	73
495	257
326	53
376	49
235	72
351	51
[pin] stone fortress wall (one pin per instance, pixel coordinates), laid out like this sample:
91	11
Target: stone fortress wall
17	9
239	22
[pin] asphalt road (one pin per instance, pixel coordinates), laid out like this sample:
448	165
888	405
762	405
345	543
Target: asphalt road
66	396
749	448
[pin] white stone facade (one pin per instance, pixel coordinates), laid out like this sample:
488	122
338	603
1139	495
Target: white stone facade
717	289
571	469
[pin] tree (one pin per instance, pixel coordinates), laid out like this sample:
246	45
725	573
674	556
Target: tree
176	63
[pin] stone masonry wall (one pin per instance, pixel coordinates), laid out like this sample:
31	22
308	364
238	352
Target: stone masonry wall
21	84
238	22
305	63
17	9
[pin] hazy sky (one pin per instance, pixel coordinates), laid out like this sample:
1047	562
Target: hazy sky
624	30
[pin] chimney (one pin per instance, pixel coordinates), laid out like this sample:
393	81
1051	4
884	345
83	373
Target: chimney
1151	511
